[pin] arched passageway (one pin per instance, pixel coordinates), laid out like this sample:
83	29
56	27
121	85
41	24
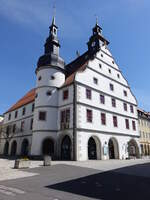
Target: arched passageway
66	148
13	148
94	148
6	148
48	147
113	149
133	149
25	148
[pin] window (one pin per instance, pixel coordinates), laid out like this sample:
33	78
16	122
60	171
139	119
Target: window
9	116
125	93
65	94
131	109
133	125
36	95
52	77
22	126
103	118
113	62
42	115
100	66
32	107
23	111
127	123
16	114
88	94
48	93
65	118
14	128
102	99
118	75
39	78
89	115
7	130
125	106
31	124
68	115
109	70
113	102
115	121
101	55
95	80
111	87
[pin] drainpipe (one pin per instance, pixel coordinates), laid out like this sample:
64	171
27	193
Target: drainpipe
74	120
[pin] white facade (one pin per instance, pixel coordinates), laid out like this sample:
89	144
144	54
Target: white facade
60	123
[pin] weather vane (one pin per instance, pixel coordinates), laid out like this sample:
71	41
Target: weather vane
54	8
96	18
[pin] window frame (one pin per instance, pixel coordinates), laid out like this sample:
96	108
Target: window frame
40	117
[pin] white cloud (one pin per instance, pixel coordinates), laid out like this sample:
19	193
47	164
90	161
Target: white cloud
37	15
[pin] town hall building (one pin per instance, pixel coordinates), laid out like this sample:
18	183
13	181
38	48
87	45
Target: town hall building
79	111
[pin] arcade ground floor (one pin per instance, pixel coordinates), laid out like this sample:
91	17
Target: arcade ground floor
145	148
63	146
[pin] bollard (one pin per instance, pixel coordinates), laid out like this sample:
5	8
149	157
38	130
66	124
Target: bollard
47	160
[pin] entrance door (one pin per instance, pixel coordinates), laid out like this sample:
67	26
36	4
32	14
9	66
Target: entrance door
48	147
25	148
6	148
111	150
13	148
66	148
92	154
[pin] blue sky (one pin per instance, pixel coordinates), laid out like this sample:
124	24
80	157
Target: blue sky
24	28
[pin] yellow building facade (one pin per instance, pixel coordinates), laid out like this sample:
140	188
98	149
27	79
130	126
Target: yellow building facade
144	129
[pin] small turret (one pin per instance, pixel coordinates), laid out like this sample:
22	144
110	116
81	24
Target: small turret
51	56
96	40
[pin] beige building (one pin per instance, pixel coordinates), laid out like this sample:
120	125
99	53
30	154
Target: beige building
144	129
1	123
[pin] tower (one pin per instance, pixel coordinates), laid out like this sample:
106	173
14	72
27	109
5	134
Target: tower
50	76
97	40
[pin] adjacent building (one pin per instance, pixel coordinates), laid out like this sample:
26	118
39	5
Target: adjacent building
144	129
79	111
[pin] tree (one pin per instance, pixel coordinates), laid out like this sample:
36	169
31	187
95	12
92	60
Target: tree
8	131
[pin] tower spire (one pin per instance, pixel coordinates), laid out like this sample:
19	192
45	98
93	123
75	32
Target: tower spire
96	19
54	15
51	48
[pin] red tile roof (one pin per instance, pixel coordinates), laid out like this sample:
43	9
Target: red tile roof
28	98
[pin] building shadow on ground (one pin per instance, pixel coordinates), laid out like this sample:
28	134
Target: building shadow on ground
127	183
